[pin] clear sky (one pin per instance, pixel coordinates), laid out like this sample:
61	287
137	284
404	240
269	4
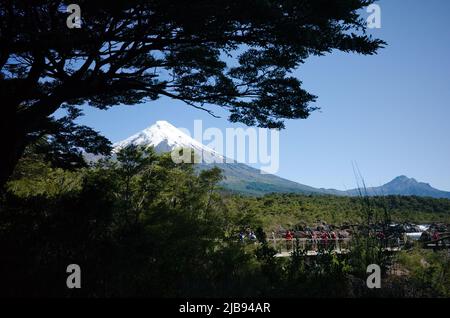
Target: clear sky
389	113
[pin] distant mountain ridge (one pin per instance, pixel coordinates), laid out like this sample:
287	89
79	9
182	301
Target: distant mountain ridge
244	179
403	185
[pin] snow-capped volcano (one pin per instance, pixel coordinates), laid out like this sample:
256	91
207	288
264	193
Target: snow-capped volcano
239	177
242	178
165	137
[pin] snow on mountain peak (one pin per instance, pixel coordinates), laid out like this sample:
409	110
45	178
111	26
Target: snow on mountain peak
165	137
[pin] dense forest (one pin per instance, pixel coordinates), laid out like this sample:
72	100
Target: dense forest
290	210
139	225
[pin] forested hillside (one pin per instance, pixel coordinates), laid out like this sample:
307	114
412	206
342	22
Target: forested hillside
292	209
144	226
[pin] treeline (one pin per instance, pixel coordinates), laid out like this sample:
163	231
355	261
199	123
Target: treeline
140	225
290	210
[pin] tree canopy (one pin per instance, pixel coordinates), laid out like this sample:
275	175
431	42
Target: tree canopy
235	54
140	225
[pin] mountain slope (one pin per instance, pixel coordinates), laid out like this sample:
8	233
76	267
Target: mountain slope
403	185
244	179
165	137
239	177
247	180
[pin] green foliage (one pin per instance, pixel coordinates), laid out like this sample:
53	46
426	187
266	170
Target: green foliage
365	251
36	177
289	210
324	275
140	225
429	272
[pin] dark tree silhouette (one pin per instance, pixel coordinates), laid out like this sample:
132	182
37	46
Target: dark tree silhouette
237	54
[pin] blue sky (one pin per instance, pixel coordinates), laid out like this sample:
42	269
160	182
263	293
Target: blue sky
389	113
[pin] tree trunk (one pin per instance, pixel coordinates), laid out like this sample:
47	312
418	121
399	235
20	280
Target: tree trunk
13	146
